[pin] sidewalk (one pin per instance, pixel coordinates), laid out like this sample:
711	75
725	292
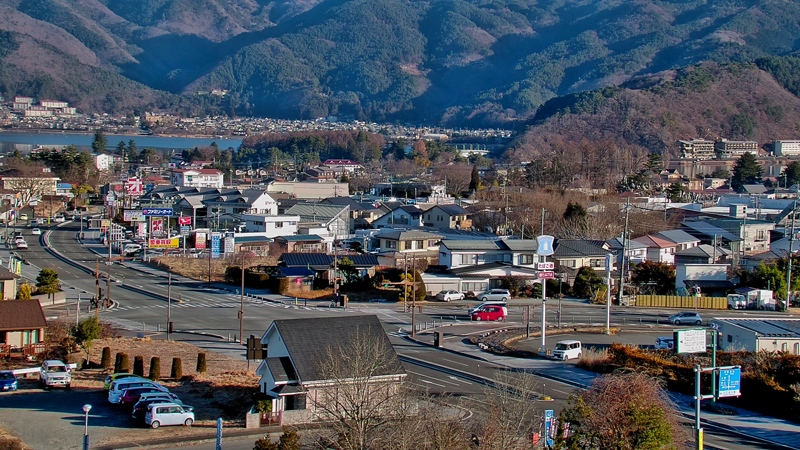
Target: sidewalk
749	423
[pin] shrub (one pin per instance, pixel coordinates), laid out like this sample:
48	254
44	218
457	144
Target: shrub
201	363
124	363
138	365
117	362
265	443
177	369
155	368
105	361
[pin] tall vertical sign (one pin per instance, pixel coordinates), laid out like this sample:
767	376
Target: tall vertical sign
544	249
548	425
215	241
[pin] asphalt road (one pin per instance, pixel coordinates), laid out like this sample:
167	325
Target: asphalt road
142	302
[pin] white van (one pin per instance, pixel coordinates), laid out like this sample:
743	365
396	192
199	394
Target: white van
567	350
118	387
159	414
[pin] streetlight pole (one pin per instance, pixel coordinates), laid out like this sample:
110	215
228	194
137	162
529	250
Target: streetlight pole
624	249
86	408
791	248
241	307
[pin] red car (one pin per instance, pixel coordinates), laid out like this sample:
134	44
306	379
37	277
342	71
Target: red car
490	312
131	396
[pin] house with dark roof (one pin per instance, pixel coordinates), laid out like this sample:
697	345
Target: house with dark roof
298	374
8	284
447	216
457	253
481	277
22	322
322	262
635	252
408	243
301	243
572	254
702	254
401	215
250	201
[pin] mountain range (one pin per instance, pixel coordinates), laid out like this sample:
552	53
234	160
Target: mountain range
474	63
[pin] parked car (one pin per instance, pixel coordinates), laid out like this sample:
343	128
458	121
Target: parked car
140	408
447	296
131	396
117	376
55	373
119	386
665	343
495	294
485	304
685	318
8	381
36	232
491	312
159	414
567	350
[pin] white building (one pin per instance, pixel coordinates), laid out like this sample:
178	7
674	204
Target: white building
103	161
197	178
753	334
53	104
37	111
271	226
251	201
786	148
455	254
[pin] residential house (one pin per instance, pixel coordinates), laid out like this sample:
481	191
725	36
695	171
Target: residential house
104	161
344	165
198	178
755	234
680	238
301	243
8	284
251	201
401	215
22	322
481	277
328	221
409	243
447	216
296	374
455	254
362	214
658	249
572	254
322	262
635	252
702	254
714	236
712	279
307	190
320	174
270	226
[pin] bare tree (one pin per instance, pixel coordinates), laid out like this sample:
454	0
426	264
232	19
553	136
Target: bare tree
457	177
361	396
509	415
31	179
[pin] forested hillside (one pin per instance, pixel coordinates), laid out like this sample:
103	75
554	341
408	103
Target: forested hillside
733	101
449	62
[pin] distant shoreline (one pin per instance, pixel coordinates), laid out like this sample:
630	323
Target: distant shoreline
89	133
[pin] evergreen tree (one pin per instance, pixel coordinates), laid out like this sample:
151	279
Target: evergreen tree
132	150
120	149
746	171
99	143
791	174
475	180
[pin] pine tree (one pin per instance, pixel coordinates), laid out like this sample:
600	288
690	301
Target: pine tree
99	143
475	180
746	171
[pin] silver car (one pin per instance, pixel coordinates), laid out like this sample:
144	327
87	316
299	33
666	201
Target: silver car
495	294
689	317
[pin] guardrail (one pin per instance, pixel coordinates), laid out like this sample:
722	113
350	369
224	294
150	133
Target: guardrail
36	369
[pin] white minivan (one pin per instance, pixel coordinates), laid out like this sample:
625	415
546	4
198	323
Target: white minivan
159	414
567	350
118	387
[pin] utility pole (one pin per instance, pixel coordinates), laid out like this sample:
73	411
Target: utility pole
96	287
169	304
241	307
624	250
543	211
791	248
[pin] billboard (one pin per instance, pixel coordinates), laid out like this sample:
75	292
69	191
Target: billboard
184	221
215	241
157	227
131	215
164	243
157	211
230	242
199	240
134	186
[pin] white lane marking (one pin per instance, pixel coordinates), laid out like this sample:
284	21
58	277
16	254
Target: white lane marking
431	382
455	362
437	379
460	380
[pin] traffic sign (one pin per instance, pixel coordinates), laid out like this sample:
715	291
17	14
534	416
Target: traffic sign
730	380
545	275
690	341
546	265
157	211
545	244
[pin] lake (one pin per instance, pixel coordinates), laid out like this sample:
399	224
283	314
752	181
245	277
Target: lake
26	141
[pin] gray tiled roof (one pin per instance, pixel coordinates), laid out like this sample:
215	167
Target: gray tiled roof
571	248
325	260
21	315
703	251
308	340
281	369
520	245
407	235
452	210
315	211
454	244
677	236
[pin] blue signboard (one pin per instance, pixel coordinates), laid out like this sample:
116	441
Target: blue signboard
157	211
548	424
545	245
730	381
219	434
215	245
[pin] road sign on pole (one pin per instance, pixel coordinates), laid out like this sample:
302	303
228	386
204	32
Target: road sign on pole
730	380
545	275
546	265
690	341
548	423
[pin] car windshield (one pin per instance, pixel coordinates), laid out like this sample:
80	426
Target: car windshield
57	369
6	376
560	346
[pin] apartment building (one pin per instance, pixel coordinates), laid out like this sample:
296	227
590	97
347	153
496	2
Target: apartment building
697	149
734	149
786	148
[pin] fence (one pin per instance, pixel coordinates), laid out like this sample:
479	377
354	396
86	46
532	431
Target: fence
674	301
